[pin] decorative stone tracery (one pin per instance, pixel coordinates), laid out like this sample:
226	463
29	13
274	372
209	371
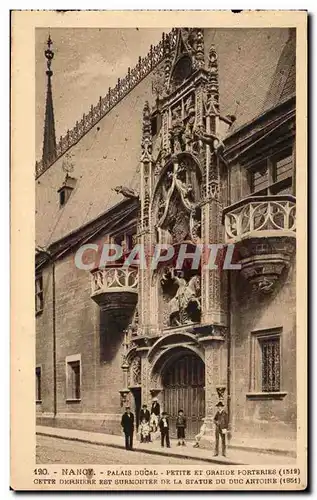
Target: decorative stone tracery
135	372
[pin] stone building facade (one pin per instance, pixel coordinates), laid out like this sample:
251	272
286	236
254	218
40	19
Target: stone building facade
205	173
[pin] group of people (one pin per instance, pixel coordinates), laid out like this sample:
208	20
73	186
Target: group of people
152	421
148	423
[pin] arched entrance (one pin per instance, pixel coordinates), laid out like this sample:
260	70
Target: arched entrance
183	382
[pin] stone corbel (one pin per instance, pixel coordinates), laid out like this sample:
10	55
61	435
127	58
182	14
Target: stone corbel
264	261
221	389
155	392
211	333
124	396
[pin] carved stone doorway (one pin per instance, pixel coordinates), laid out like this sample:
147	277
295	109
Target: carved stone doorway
184	388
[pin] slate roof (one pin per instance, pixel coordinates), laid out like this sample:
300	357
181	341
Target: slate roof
256	71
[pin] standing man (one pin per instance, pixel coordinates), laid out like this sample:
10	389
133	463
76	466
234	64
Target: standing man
165	430
221	423
127	424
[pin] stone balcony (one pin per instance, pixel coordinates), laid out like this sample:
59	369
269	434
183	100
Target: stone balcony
263	228
115	287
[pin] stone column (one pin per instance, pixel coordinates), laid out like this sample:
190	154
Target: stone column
215	375
147	290
213	280
145	389
214	309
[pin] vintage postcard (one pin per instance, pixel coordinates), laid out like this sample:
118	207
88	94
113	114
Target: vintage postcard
159	281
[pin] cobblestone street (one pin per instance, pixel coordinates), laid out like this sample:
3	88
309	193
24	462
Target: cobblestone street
61	451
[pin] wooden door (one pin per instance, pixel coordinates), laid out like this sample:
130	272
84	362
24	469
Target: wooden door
184	381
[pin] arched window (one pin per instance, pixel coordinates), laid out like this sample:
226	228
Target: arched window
182	70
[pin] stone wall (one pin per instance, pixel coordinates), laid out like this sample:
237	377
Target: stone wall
251	312
81	329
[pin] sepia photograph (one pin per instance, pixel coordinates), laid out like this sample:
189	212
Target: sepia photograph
166	327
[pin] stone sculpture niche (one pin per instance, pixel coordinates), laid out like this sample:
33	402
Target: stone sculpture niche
177	198
181	290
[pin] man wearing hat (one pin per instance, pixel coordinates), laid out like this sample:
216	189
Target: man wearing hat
221	423
127	424
165	430
144	413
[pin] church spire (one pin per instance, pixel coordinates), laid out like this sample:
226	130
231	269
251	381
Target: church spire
49	143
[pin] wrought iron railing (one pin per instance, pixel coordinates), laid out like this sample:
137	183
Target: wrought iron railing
258	214
113	279
124	86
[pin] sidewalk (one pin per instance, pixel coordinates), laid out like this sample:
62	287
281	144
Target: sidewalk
234	456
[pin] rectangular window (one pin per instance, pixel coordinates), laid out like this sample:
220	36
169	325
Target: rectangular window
259	176
38	395
131	239
73	377
283	166
118	239
39	296
265	369
274	175
127	241
270	354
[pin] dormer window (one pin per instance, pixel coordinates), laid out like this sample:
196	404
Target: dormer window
66	190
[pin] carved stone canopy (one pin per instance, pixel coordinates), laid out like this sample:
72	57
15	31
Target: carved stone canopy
135	372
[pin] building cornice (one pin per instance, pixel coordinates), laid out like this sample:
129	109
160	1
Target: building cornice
124	86
265	123
107	222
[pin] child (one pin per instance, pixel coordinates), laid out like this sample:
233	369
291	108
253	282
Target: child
181	426
145	431
155	414
164	428
201	434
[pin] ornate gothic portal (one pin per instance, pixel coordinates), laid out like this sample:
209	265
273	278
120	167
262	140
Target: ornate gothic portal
182	194
183	383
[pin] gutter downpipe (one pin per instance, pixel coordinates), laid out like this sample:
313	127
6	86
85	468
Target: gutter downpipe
50	257
229	321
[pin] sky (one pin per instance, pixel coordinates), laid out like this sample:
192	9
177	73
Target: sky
87	61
